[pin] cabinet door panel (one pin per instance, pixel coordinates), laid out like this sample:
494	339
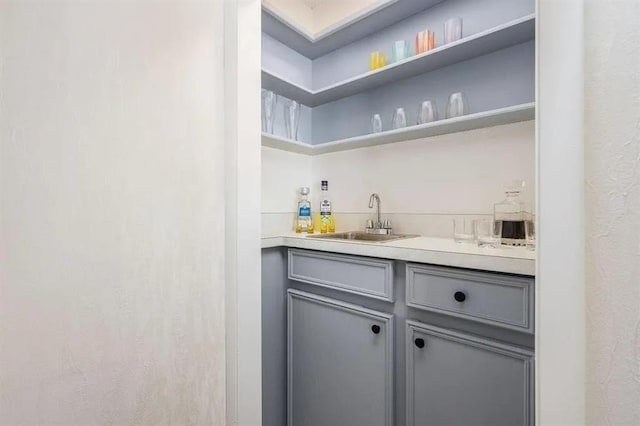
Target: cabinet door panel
456	379
340	363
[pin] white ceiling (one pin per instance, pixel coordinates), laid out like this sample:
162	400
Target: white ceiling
316	17
312	4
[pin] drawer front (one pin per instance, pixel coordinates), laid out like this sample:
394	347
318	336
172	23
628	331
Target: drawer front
496	299
354	274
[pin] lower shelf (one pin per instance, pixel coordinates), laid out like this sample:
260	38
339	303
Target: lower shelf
496	117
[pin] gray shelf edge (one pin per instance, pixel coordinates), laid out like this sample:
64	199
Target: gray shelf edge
508	34
480	120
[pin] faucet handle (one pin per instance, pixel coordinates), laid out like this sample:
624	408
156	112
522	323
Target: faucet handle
387	224
370	224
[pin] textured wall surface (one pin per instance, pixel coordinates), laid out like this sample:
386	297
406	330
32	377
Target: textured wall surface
612	169
111	275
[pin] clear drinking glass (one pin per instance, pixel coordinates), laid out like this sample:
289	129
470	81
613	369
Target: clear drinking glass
488	232
292	119
530	234
464	230
269	100
399	118
400	50
428	112
376	123
452	30
457	105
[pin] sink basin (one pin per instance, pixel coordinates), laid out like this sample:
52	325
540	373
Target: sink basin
361	236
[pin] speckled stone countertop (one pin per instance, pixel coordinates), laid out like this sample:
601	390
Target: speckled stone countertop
436	251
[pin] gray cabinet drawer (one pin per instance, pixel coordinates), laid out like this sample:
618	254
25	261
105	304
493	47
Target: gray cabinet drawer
458	379
501	300
366	276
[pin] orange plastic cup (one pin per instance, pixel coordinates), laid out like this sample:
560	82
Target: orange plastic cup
425	41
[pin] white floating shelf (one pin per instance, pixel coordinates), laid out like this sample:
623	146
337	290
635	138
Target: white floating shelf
496	117
488	41
277	142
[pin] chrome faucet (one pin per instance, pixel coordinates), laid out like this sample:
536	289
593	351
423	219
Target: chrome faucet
378	227
376	198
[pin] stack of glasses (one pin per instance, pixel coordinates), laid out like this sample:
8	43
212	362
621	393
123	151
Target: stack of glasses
291	114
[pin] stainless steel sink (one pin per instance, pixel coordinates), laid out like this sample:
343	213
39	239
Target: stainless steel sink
361	236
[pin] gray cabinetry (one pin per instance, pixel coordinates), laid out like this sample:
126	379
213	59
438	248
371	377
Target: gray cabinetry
340	363
324	364
457	379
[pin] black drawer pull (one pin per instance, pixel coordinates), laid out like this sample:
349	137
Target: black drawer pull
459	296
375	329
419	343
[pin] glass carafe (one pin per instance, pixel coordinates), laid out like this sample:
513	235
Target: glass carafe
513	212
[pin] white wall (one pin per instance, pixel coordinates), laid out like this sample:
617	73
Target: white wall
112	278
242	212
422	183
283	173
612	166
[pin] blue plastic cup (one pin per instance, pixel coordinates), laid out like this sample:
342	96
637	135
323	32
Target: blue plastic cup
400	50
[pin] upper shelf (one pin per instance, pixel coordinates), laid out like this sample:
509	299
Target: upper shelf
488	41
496	117
347	31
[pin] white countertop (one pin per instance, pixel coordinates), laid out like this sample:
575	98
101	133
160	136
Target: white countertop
436	251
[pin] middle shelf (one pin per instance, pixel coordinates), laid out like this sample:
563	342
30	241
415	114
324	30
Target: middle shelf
500	37
496	117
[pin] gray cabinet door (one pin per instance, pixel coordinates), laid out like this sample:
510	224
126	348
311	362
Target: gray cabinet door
340	363
455	379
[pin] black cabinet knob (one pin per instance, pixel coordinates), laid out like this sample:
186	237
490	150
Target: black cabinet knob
375	329
419	343
459	296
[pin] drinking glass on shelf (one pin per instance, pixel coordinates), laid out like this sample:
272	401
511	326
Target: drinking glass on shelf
376	123
377	60
292	118
452	30
428	112
400	50
464	230
489	232
457	105
399	118
268	110
425	41
530	234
